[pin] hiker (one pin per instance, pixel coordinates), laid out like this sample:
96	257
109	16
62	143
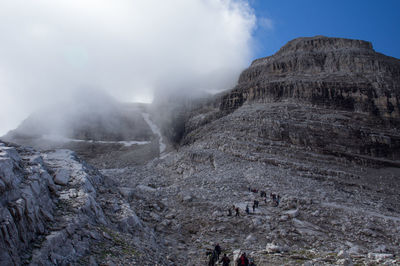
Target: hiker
278	199
217	250
243	260
256	202
251	262
237	211
229	212
254	207
225	260
273	196
247	209
212	258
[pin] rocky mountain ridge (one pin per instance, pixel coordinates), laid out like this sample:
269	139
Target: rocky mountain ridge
329	72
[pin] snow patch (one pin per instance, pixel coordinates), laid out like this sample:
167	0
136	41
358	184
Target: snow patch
126	143
156	130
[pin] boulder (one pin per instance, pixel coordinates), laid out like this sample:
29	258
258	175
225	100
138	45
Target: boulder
62	177
292	213
273	248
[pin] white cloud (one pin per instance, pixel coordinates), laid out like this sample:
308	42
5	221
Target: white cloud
128	48
266	23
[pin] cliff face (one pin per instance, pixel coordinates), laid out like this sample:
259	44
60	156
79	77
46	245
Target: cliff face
57	210
329	72
329	95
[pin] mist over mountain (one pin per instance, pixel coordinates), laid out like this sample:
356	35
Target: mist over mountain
128	49
89	114
297	164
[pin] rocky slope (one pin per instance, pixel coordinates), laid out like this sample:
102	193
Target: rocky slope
57	210
334	210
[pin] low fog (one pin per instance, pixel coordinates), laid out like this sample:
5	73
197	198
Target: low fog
51	50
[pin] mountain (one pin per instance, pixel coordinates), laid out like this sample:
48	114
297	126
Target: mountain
94	125
317	123
89	115
330	72
331	95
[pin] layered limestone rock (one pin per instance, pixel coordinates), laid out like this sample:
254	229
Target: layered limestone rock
57	210
26	202
330	72
331	95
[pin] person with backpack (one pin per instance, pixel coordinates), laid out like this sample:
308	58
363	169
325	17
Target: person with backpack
237	211
243	260
251	262
212	258
225	260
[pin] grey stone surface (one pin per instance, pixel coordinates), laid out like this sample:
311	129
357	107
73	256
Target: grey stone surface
42	223
62	177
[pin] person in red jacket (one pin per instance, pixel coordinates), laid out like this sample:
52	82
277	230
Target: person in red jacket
243	260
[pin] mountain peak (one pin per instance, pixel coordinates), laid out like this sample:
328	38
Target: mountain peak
331	72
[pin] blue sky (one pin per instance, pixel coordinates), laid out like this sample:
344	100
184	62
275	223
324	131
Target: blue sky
372	20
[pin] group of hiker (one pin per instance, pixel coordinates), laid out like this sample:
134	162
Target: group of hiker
237	213
276	198
243	260
214	258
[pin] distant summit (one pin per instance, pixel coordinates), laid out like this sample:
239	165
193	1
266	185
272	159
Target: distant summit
323	43
332	72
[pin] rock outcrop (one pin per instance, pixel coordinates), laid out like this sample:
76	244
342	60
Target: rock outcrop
57	210
26	202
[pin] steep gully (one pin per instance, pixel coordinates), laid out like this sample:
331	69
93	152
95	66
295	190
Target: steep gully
156	130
